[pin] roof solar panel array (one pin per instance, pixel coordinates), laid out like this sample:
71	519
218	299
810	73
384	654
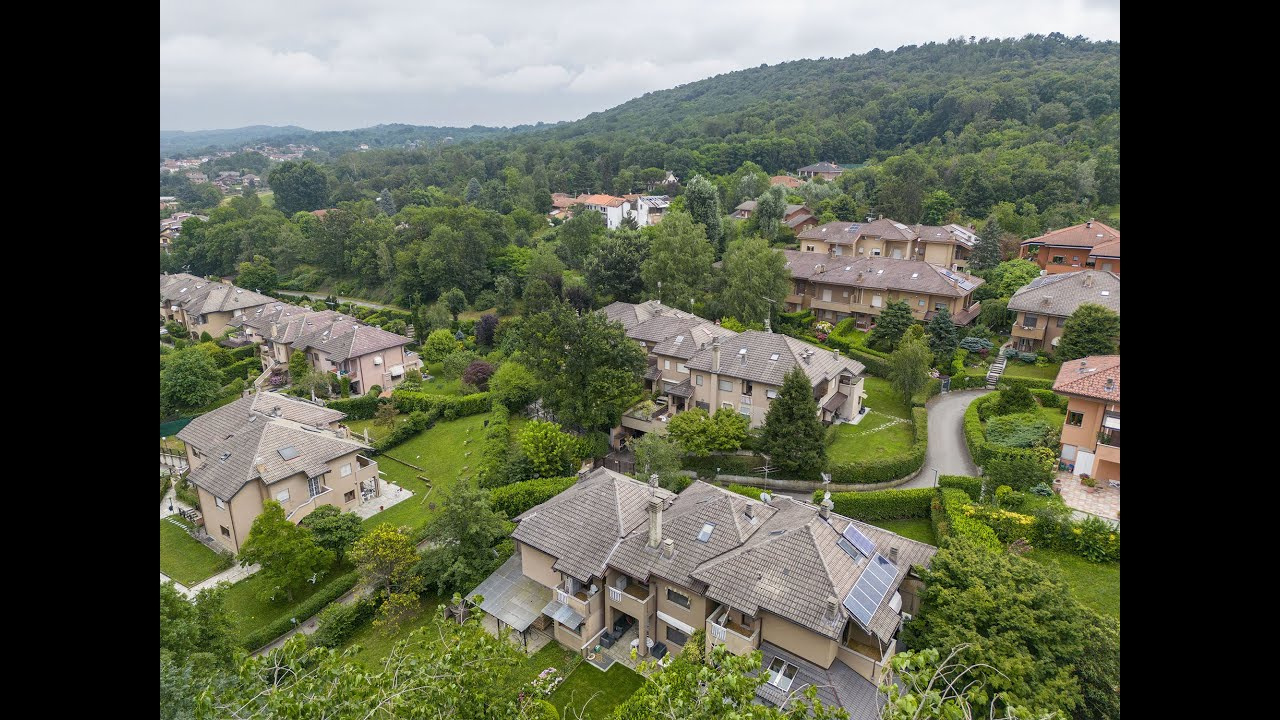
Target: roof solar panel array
867	594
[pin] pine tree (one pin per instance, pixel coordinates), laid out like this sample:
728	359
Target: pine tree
473	191
793	435
943	338
986	254
386	203
1091	330
890	326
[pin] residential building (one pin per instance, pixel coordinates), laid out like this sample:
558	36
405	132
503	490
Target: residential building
197	178
820	595
1044	304
948	246
786	181
267	446
859	287
1090	245
203	305
796	217
825	170
612	208
694	363
332	342
166	240
1091	433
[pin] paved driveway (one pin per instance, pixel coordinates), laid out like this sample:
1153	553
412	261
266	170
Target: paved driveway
948	453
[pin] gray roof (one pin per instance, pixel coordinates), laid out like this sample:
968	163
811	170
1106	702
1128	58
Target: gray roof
843	232
758	365
1061	294
746	205
839	685
697	336
631	314
950	234
581	526
880	273
357	340
822	167
512	597
197	296
216	426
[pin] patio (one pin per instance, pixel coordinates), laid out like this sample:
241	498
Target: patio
1104	501
391	494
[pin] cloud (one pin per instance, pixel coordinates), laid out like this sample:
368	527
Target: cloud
333	64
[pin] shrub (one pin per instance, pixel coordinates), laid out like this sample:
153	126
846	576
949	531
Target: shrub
164	485
950	519
493	454
1096	541
881	504
883	469
304	610
358	408
728	464
1022	430
375	391
975	344
418	421
478	374
751	492
972	486
206	337
339	622
239	370
1041	489
518	497
1016	399
1018	468
467	405
1007	382
1049	399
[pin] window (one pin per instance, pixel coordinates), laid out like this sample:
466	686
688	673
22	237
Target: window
346	470
771	394
876	301
1058	260
1075	419
676	637
921	303
1061	321
681	368
726	405
875	252
677	598
666	364
1029	320
225	531
726	385
781	673
282	497
746	387
808	248
221	505
313	486
1106	267
1075	258
349	496
939	306
697	380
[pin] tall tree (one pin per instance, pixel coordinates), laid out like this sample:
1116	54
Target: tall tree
506	290
754	274
613	269
288	553
486	326
463	536
680	259
943	338
258	275
937	206
1010	275
909	367
472	193
189	380
333	529
385	558
198	648
455	300
299	187
901	188
703	200
386	203
440	343
890	326
538	297
793	434
658	455
700	434
298	365
986	253
771	207
514	386
1091	330
923	686
548	448
579	236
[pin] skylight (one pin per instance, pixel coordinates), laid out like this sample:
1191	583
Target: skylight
705	535
773	356
288	452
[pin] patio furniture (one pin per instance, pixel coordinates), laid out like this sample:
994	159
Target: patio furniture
659	650
608	639
623	624
1114	483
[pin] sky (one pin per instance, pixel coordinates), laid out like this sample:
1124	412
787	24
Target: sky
338	64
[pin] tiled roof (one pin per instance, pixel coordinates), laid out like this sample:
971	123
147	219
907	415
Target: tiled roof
1109	249
606	200
758	363
697	337
631	314
581	526
1096	376
1082	235
880	273
951	234
822	167
746	205
197	296
215	426
1061	294
839	685
358	340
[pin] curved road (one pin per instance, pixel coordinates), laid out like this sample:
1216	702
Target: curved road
948	453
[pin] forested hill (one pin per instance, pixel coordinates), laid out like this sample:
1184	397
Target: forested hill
181	141
333	142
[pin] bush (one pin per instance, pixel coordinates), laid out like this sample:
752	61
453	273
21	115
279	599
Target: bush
1018	468
1096	541
493	454
1022	430
947	512
972	486
1008	526
1041	489
418	421
304	610
975	344
518	497
881	504
728	464
931	388
884	469
467	405
1049	399
751	492
1016	399
1007	382
595	444
339	622
239	370
164	485
358	408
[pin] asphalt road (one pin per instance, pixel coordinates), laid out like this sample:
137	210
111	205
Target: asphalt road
948	453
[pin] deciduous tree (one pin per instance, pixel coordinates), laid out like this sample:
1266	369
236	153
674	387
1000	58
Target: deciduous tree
463	536
299	186
333	529
385	558
189	380
680	259
770	209
513	385
1091	330
440	343
259	275
455	301
703	201
754	274
288	553
909	367
548	447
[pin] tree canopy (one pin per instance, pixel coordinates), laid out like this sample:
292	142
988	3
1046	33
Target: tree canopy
793	434
1091	330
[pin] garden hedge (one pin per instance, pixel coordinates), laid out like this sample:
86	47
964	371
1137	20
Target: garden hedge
303	611
240	370
747	490
339	622
451	407
164	486
728	464
1018	468
1049	398
241	353
1029	383
971	485
493	454
358	408
417	422
881	504
884	469
947	513
518	497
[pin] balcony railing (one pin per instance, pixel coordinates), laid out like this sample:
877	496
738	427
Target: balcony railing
738	639
309	506
634	599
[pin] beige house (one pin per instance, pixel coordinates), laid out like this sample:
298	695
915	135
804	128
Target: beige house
948	246
332	342
1091	433
820	595
271	447
1044	304
825	170
694	363
203	305
836	288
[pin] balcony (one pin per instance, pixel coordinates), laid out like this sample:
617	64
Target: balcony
1109	446
634	599
647	416
308	507
839	306
1033	333
367	477
738	639
578	602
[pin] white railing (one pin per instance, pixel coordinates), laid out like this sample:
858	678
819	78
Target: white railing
719	632
615	594
562	597
309	501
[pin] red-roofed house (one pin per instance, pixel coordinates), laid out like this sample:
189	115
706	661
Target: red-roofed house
1090	245
1091	435
609	206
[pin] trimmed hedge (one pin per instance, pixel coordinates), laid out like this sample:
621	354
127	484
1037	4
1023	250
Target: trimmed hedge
751	492
240	353
339	622
418	421
1049	398
518	497
884	469
451	407
1019	468
305	609
164	486
881	504
240	370
947	513
728	464
497	441
931	388
358	408
971	485
1029	383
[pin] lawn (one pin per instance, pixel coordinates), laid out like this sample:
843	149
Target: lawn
1096	585
917	529
581	687
1016	368
376	645
881	397
873	437
249	613
853	337
185	559
441	452
174	445
1054	416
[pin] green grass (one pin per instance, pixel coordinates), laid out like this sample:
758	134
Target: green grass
174	445
853	337
1054	416
441	453
185	559
249	613
613	688
918	529
881	397
871	438
375	645
1096	585
552	655
1019	369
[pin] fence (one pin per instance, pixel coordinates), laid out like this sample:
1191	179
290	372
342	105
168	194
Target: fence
173	460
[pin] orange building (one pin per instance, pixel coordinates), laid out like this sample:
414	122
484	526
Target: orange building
1091	434
1091	245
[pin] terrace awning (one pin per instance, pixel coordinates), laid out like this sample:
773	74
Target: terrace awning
510	596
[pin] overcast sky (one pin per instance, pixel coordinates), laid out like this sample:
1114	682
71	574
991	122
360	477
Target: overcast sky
338	64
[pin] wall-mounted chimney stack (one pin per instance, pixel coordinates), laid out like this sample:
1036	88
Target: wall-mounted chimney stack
715	355
833	608
668	548
655	521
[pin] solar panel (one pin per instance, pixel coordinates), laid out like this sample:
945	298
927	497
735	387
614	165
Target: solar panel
870	590
860	541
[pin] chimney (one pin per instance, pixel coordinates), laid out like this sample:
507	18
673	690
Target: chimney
655	521
653	479
1044	299
582	475
833	608
751	510
806	356
715	355
824	508
668	548
1088	279
1111	384
835	354
881	216
742	355
1089	224
1083	365
893	555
